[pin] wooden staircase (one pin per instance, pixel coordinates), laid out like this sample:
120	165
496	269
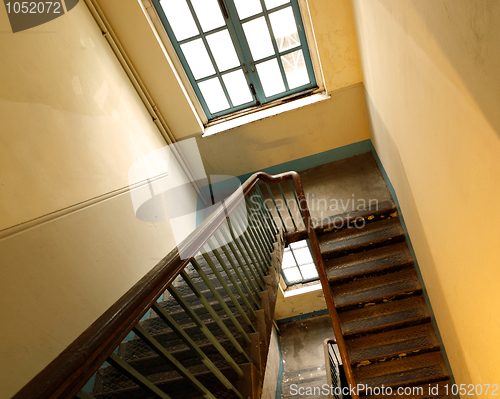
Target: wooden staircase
377	293
111	383
208	336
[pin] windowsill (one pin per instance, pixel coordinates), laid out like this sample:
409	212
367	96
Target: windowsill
290	291
265	113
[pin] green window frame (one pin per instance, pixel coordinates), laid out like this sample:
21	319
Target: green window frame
298	264
252	77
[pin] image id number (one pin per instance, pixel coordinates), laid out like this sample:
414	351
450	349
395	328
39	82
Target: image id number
31	7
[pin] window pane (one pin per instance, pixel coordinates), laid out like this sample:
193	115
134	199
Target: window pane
208	13
214	95
237	87
288	259
292	274
270	77
303	256
309	271
258	38
295	69
284	29
223	50
247	8
180	18
198	59
298	244
275	3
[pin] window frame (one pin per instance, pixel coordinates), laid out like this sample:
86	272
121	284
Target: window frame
245	58
303	280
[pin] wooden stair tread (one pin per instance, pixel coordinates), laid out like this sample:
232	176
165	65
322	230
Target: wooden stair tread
151	363
176	386
392	344
384	316
354	239
409	371
379	211
375	289
368	262
170	340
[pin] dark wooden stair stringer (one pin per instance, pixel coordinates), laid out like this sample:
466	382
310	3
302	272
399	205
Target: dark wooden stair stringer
377	294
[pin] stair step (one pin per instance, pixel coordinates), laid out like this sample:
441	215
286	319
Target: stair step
350	240
384	316
367	263
374	213
437	390
384	346
376	289
176	387
155	325
136	348
177	312
415	370
212	278
154	364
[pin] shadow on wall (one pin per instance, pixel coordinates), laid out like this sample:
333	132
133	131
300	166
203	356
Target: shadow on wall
426	268
476	62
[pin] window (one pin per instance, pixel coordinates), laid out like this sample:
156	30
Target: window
298	264
239	53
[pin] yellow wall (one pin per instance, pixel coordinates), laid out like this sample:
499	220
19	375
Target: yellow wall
332	123
69	117
299	304
433	90
71	125
333	25
130	22
306	131
298	133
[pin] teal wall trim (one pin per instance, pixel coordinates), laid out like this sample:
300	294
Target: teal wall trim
417	268
301	317
321	158
297	165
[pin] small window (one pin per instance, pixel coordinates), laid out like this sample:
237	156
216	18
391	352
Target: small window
298	264
239	53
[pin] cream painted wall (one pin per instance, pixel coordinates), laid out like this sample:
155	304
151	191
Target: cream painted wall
309	130
305	131
297	133
271	374
71	126
433	93
71	122
333	25
144	47
297	305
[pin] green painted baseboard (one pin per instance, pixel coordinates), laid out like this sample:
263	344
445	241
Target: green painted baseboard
321	158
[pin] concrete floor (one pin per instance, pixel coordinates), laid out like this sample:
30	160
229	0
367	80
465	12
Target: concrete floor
344	185
336	188
303	354
302	342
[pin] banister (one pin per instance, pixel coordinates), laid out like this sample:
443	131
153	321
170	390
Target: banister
69	371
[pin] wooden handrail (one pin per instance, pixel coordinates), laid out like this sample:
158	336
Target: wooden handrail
325	285
328	368
68	372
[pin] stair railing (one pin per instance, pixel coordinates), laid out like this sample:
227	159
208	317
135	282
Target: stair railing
242	253
335	375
